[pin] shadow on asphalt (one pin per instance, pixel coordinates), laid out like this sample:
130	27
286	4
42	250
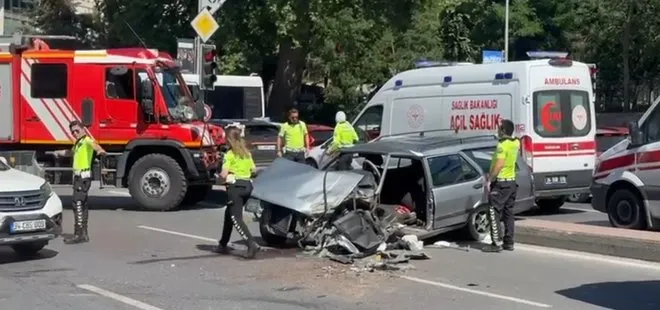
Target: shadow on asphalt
538	212
216	199
638	295
8	256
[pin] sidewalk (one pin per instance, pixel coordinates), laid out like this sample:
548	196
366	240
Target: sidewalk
627	243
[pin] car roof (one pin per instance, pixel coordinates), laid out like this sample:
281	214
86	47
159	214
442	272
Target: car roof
418	146
246	122
607	130
319	127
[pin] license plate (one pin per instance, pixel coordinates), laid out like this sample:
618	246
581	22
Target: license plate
23	226
557	179
266	147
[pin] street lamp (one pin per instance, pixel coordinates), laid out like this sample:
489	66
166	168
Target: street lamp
506	31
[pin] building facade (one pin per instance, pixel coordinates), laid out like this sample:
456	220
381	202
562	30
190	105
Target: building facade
14	13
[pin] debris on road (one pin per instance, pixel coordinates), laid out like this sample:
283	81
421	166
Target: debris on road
338	215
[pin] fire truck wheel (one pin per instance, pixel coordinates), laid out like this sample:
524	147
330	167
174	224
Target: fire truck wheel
625	210
157	182
550	205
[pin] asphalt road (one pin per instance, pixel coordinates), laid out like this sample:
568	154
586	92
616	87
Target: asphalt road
153	260
579	213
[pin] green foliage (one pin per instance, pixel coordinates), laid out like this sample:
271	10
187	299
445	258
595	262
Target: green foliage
350	47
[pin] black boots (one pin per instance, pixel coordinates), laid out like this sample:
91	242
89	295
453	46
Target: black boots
80	217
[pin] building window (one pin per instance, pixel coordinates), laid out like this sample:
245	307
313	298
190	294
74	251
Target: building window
49	81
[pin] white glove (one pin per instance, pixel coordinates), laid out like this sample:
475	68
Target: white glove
230	179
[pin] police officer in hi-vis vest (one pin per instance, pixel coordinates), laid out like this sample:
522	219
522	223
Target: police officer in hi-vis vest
295	135
237	169
82	156
344	136
503	188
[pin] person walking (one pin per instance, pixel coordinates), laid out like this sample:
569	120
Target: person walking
82	156
237	170
344	136
503	188
296	140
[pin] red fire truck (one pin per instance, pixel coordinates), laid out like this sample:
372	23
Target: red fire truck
134	103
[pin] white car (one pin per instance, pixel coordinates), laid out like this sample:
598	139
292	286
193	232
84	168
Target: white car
30	212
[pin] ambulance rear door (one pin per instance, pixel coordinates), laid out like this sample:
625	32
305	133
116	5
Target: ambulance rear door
562	132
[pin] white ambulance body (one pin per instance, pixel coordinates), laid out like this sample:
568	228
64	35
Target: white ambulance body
549	101
626	182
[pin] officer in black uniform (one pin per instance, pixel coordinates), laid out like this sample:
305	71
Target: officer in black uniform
503	188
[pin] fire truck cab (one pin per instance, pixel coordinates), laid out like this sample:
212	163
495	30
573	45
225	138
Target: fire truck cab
134	103
626	182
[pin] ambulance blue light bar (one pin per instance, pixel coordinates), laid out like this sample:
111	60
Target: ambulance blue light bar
504	76
546	55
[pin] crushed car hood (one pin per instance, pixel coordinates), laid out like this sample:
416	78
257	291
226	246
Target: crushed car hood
299	187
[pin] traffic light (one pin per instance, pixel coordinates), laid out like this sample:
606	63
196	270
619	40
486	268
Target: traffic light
209	69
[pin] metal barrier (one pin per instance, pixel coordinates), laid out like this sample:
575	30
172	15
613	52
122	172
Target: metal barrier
25	161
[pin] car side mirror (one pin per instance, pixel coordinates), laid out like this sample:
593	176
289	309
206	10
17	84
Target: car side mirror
636	136
4	160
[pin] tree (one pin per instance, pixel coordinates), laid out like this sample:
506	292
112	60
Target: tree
58	17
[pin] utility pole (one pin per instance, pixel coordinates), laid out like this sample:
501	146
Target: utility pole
506	31
205	26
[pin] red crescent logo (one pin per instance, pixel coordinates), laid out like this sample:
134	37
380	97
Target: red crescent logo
207	112
548	116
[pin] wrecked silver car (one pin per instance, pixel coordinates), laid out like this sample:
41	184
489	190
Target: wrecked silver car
408	185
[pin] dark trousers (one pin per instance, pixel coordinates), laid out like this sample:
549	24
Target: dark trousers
238	193
502	198
80	211
298	157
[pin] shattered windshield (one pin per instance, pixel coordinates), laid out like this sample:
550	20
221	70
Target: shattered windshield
176	95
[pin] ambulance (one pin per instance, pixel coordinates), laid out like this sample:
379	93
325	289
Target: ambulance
550	102
626	182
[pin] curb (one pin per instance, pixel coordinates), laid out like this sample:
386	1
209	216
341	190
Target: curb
588	242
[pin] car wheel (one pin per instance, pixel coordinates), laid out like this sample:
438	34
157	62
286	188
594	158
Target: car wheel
29	249
478	226
625	210
269	238
311	162
550	205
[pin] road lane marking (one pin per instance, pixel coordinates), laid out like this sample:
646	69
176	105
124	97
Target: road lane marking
176	233
476	292
606	259
121	298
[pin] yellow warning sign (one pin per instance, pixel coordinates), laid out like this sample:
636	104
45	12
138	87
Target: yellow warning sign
205	25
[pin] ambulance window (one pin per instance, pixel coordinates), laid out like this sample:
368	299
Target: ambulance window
651	127
119	84
369	124
562	113
49	81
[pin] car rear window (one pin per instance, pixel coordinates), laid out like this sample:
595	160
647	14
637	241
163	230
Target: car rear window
262	131
321	136
562	113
